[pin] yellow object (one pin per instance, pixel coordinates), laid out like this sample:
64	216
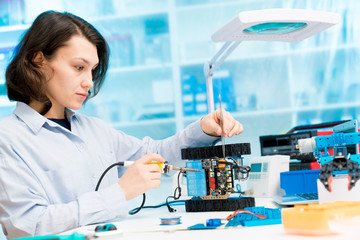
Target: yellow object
313	219
160	164
165	167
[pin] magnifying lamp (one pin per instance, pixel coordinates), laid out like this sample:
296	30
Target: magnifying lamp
284	25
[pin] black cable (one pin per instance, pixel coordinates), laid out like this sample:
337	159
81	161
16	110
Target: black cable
242	169
136	210
178	188
160	205
175	197
316	126
106	170
132	212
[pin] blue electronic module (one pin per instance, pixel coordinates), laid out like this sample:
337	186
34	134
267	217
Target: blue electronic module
255	216
247	217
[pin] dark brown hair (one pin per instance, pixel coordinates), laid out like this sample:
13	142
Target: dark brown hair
49	31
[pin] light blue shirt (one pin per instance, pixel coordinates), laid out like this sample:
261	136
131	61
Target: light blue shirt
48	174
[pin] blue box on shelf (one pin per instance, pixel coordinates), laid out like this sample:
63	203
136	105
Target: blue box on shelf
122	50
195	98
201	99
223	84
302	181
188	94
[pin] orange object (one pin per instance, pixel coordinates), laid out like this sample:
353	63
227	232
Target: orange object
349	179
330	183
244	211
313	219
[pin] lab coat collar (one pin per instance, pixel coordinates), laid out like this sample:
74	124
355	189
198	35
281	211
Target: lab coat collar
34	120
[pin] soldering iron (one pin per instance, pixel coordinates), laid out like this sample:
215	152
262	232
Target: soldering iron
165	167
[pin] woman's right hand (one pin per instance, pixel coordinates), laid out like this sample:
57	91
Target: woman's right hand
141	176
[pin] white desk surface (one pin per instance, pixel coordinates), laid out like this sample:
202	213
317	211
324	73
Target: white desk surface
146	225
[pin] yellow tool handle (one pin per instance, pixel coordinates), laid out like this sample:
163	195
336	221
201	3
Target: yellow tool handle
164	167
160	164
129	163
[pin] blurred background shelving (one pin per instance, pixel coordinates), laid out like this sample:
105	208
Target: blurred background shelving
155	84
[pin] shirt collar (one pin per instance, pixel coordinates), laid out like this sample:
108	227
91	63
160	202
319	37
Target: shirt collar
69	114
33	119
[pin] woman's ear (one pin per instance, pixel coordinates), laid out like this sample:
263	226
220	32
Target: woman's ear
38	59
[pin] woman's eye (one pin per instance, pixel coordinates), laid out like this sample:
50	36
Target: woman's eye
79	67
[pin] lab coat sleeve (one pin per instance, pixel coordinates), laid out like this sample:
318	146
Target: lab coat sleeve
169	148
26	210
191	136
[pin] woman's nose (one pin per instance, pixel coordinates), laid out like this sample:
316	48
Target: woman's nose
88	80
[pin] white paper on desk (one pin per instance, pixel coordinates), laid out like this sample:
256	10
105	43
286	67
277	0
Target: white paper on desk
347	226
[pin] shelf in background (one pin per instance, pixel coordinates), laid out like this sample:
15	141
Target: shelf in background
155	128
126	16
5	102
213	4
136	68
14	28
143	122
10	35
289	110
262	55
292	110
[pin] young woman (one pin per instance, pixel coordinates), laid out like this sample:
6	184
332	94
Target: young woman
51	157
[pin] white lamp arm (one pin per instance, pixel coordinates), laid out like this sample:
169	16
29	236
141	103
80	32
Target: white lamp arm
212	65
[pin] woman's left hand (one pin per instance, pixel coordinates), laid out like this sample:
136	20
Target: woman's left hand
210	124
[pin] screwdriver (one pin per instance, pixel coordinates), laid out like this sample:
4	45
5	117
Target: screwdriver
165	167
222	128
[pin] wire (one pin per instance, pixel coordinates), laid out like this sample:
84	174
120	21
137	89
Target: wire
106	170
173	203
175	196
245	170
244	211
136	210
132	212
316	126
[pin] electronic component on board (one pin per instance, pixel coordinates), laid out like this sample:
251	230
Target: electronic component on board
212	185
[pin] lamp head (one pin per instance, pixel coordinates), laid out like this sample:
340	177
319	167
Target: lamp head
286	25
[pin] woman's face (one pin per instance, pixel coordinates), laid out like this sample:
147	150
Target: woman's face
70	77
